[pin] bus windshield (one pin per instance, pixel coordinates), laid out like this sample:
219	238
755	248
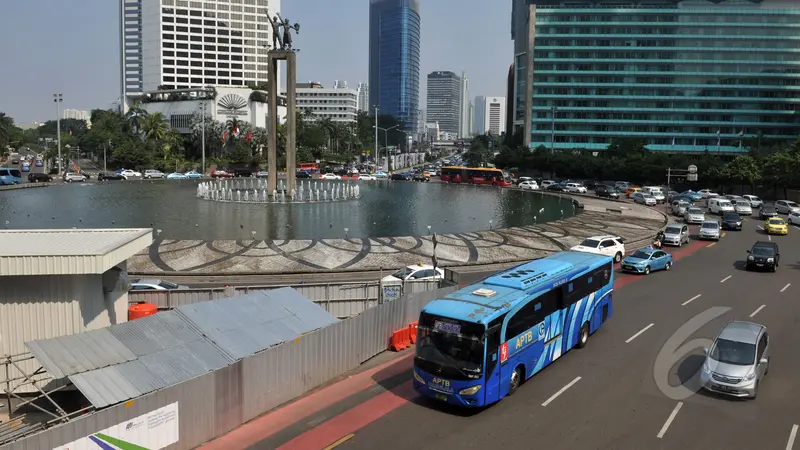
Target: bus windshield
450	347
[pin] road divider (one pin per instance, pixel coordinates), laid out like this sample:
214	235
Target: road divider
561	391
669	420
639	333
404	337
758	310
691	299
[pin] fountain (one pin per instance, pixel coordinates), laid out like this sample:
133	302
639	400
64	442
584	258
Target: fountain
254	191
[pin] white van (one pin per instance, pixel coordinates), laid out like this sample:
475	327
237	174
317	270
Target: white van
720	205
656	192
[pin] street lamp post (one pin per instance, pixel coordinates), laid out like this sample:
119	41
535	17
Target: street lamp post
385	140
553	130
203	107
377	108
58	98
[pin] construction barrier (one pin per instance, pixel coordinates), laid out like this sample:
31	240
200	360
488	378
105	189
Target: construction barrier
412	329
401	339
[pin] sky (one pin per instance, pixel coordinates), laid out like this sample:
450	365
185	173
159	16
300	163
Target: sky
72	47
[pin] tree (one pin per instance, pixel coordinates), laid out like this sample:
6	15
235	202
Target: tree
136	116
744	170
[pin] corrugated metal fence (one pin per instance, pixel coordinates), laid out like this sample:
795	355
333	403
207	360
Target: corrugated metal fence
217	402
338	299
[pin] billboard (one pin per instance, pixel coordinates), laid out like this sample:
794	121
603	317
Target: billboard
152	431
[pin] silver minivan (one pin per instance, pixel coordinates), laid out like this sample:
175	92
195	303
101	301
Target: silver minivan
709	229
676	234
737	361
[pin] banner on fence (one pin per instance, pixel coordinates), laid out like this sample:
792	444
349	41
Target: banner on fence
392	292
152	431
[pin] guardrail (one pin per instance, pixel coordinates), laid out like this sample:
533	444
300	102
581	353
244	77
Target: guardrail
338	299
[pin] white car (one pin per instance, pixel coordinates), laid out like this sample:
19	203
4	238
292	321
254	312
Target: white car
706	193
330	176
547	183
366	178
576	188
419	272
794	218
755	202
154	285
786	207
743	207
69	177
643	199
130	174
612	246
153	174
529	185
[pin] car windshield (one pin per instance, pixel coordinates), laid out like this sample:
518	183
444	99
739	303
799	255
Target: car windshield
731	216
753	198
168	285
762	250
742	203
776	222
593	243
711	225
789	204
451	346
672	230
647	196
641	254
732	352
725	204
695	211
403	273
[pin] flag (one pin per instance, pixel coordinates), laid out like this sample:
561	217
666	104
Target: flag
719	131
741	133
70	132
236	131
249	137
673	141
224	136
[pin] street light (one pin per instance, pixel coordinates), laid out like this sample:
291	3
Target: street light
385	141
58	99
203	107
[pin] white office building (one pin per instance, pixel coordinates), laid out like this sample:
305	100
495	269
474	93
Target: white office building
180	44
339	105
363	96
490	115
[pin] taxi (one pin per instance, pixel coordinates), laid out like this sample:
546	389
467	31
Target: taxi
776	225
631	190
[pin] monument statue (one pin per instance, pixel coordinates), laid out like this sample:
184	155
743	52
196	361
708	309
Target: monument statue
287	33
277	42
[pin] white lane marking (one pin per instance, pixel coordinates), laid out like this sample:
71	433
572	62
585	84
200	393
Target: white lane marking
639	333
758	310
786	287
691	299
725	279
769	237
561	391
792	437
796	227
761	228
669	420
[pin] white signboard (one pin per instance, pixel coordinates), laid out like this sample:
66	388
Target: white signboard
152	431
391	292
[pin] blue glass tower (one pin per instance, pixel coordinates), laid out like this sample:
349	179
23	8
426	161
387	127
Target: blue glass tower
683	75
394	47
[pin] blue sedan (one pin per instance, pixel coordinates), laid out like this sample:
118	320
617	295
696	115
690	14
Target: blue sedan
694	196
176	176
646	260
38	163
192	175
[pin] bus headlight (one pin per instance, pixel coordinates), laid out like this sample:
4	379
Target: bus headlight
418	378
470	390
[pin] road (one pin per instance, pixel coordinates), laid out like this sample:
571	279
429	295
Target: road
605	396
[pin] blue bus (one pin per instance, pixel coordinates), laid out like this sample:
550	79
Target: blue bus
480	343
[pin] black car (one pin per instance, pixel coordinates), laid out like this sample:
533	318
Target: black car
302	174
556	188
763	255
400	177
110	176
590	184
419	176
242	173
731	221
39	178
606	191
768	211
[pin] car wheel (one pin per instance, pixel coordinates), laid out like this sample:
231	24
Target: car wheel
583	338
69	180
647	270
668	266
618	257
516	381
755	391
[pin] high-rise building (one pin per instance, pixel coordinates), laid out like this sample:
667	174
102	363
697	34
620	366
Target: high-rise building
510	104
682	75
490	115
444	101
394	59
76	114
168	44
464	124
363	96
340	84
339	104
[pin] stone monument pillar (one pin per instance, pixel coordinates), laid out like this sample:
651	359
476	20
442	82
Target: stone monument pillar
291	118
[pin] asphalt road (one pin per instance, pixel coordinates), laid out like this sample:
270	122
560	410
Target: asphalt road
615	393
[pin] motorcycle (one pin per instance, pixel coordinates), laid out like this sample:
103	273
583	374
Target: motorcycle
658	242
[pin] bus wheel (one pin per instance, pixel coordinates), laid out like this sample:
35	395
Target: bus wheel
584	336
516	380
618	257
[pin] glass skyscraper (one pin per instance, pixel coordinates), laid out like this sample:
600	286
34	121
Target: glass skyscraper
394	53
683	75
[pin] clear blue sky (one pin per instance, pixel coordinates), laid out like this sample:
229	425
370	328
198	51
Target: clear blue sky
72	47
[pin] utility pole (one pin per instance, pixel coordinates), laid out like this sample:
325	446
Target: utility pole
58	98
105	156
375	124
203	106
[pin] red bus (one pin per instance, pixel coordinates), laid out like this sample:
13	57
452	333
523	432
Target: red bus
475	175
308	167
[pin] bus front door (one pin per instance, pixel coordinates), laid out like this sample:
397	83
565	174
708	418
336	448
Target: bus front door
492	366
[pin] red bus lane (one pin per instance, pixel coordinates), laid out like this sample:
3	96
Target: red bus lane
365	413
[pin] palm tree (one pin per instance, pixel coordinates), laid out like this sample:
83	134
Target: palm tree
136	116
155	127
327	125
231	127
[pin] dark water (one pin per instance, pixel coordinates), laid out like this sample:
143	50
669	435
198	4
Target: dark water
384	209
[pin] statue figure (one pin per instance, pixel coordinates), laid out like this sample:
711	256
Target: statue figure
286	42
277	43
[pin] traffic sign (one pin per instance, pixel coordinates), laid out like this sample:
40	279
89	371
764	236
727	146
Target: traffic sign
692	169
691	177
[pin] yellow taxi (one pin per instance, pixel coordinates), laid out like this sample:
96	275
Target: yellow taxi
776	225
